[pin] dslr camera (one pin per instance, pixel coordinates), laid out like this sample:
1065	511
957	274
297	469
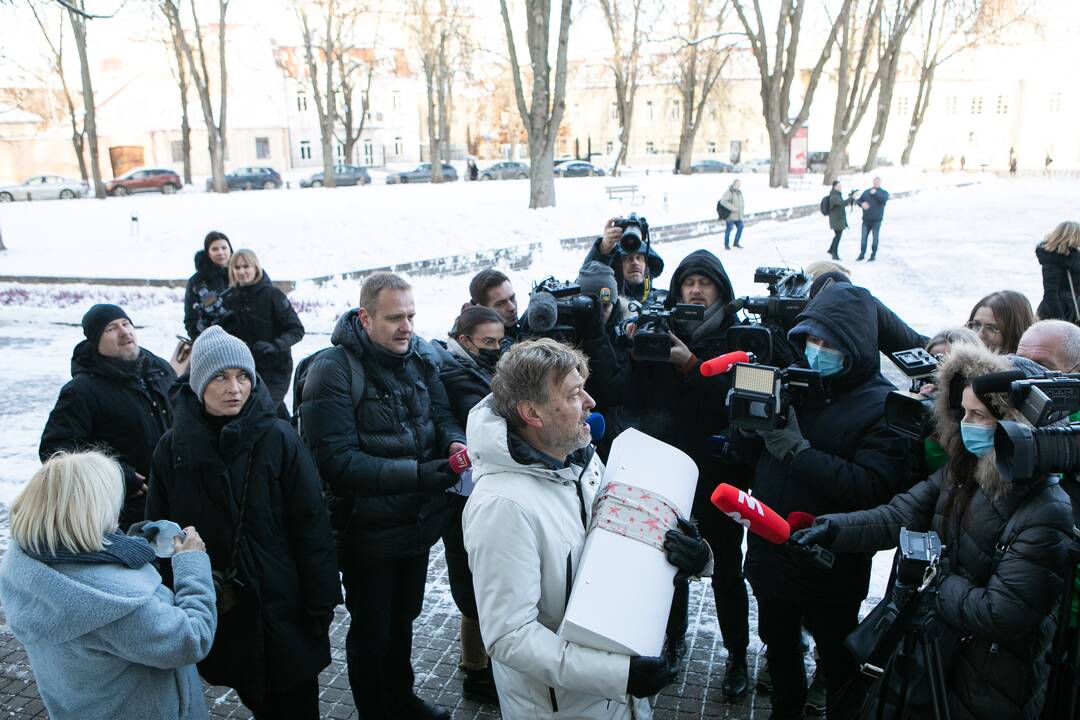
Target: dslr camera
651	342
210	307
909	412
762	396
635	233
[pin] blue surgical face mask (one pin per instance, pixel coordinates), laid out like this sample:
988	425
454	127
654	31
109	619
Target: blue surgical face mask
823	360
978	439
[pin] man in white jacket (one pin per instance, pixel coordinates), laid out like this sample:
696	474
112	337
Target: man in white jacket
525	527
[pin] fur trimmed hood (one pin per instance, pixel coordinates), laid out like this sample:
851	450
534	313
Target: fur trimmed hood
964	363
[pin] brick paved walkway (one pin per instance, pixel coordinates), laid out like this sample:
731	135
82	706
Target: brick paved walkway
435	655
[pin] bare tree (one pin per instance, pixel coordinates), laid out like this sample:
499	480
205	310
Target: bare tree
435	31
215	129
354	66
77	17
623	19
56	53
180	74
894	27
324	97
778	75
543	117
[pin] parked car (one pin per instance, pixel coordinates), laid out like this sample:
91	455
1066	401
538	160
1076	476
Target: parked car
761	165
343	175
45	187
421	174
815	161
505	170
711	166
144	179
249	178
577	168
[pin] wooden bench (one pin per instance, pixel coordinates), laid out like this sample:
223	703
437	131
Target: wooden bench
623	191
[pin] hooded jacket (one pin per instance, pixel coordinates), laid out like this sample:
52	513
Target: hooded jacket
207	275
263	314
654	265
1058	301
121	408
286	560
467	382
368	448
1004	616
525	526
854	461
109	641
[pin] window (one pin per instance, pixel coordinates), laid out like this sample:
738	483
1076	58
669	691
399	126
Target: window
262	148
902	106
950	105
610	147
1055	102
649	109
339	152
396	100
177	151
1002	105
650	148
301	100
614	112
676	110
976	105
399	146
305	149
369	153
710	147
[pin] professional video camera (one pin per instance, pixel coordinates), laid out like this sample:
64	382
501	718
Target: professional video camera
210	307
762	396
635	233
910	412
651	341
557	310
789	292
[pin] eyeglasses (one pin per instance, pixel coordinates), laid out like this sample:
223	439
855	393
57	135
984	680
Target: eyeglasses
978	327
488	342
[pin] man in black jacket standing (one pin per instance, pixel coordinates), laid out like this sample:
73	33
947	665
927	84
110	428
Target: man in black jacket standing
872	202
117	401
376	417
834	455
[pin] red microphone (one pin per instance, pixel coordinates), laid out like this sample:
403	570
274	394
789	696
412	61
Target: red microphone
460	461
751	513
723	363
799	520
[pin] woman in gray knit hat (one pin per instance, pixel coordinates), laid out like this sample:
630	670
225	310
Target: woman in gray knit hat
231	467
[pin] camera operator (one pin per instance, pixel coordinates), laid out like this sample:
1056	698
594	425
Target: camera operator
608	359
831	456
635	272
211	276
996	620
492	289
673	402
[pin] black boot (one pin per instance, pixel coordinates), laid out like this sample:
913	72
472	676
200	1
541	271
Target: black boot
873	257
417	709
861	257
479	686
736	682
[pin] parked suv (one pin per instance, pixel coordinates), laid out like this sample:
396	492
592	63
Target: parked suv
421	174
343	175
250	178
505	170
144	179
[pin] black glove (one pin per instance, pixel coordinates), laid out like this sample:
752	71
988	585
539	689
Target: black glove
823	532
263	348
435	475
650	675
686	550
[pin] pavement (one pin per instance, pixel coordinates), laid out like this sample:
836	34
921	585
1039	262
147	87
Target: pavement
696	694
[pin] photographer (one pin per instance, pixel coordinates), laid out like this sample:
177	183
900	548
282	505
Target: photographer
996	618
837	217
831	456
635	272
211	278
673	402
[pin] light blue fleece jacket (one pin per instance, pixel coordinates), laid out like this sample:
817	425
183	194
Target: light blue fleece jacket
108	641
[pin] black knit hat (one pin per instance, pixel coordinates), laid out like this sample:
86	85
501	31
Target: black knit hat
212	237
97	317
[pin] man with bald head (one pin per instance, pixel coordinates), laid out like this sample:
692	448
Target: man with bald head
1054	344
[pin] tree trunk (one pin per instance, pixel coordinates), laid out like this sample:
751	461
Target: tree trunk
918	114
185	142
884	106
434	155
541	174
78	27
779	154
185	120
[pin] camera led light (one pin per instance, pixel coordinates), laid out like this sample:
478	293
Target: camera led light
756	379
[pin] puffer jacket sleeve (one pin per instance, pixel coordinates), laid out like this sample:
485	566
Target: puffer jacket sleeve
1026	586
878	470
329	424
286	321
894	334
308	527
170	635
596	255
504	557
876	529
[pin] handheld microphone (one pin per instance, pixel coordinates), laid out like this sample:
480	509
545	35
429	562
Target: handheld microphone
760	519
799	520
999	382
723	363
596	425
460	461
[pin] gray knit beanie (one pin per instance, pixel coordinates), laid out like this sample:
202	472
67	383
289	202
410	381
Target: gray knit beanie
216	350
596	278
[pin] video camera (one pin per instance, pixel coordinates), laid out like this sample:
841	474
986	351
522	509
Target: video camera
210	307
789	293
910	412
762	396
652	342
557	310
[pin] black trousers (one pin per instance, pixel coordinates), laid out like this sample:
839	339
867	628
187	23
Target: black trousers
729	587
779	622
384	596
835	247
296	702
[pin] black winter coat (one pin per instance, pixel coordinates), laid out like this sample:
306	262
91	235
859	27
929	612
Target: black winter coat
854	461
209	276
1058	302
265	320
1005	616
277	635
368	448
120	408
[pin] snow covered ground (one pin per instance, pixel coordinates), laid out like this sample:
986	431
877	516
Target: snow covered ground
941	251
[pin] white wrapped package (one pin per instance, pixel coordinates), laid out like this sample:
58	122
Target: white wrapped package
622	593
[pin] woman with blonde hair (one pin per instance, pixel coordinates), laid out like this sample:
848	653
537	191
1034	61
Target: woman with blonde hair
1060	272
264	319
88	605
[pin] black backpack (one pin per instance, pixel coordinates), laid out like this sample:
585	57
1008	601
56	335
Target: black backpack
722	212
352	366
825	205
